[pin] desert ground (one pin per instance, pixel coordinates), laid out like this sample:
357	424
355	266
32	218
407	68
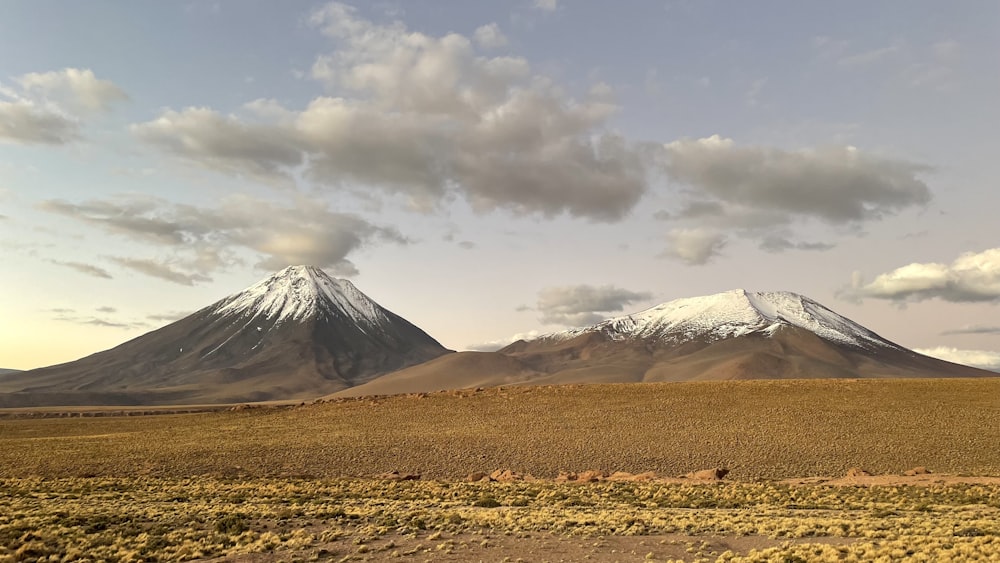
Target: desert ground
592	472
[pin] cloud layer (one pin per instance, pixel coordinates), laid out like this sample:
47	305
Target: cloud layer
198	241
579	305
760	193
424	117
972	277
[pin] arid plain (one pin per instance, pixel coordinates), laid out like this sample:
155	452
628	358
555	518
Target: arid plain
316	481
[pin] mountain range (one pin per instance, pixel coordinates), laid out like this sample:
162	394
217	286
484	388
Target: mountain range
737	334
301	334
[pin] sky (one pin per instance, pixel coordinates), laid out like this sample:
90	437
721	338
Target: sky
494	171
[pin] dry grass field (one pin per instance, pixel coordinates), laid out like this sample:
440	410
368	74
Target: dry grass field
757	429
299	483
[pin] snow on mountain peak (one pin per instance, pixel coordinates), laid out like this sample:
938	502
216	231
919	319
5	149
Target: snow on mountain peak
730	314
298	292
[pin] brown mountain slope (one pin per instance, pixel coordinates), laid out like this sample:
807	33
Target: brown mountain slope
788	353
460	370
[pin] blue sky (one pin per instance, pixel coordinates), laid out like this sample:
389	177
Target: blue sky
489	170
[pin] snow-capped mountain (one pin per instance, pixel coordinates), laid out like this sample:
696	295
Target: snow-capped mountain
297	334
299	292
733	335
732	314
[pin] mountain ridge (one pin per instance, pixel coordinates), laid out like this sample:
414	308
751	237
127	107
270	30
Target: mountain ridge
736	334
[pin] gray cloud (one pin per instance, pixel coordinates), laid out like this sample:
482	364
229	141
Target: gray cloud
579	305
694	246
971	278
431	118
160	269
224	143
973	329
778	243
835	185
26	123
88	269
204	240
761	193
983	359
73	316
169	316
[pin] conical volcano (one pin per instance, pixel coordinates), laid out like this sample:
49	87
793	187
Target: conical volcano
297	334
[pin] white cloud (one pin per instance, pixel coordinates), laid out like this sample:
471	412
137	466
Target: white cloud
77	89
869	57
694	246
982	359
489	36
579	305
546	5
972	277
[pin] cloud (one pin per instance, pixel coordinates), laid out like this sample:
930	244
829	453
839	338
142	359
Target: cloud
169	316
579	305
25	122
204	240
972	277
694	246
425	118
836	185
982	359
973	329
72	316
48	108
162	270
778	243
489	36
76	89
494	345
224	143
83	268
546	5
869	57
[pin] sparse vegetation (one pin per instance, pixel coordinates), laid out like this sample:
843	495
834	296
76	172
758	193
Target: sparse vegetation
295	484
182	519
